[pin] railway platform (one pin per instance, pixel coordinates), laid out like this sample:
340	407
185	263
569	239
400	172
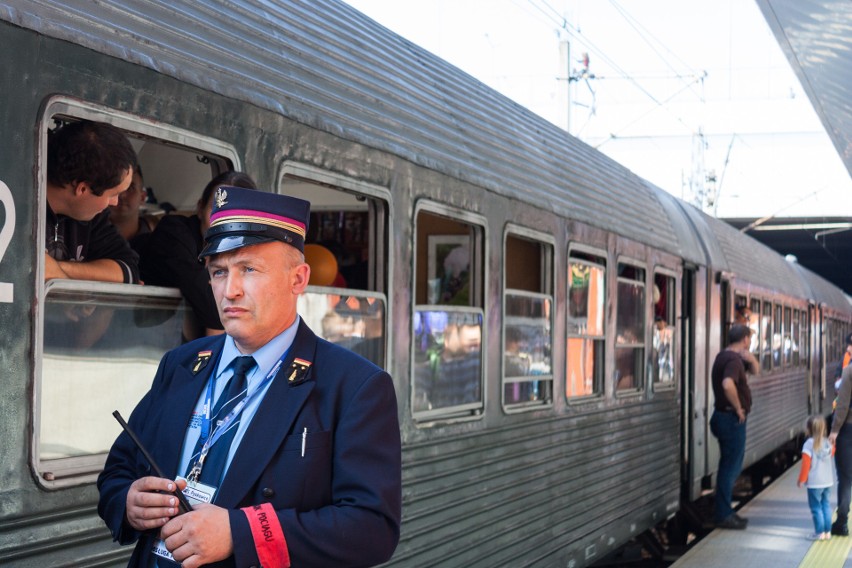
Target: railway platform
777	535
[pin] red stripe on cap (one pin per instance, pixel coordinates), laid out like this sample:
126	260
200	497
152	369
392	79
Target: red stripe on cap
268	537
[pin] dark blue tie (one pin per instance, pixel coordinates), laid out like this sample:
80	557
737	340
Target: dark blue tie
234	392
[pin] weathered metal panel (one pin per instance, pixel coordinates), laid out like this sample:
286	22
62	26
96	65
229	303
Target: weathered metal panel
326	65
552	492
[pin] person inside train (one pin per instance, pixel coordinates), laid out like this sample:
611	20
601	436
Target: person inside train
732	403
170	257
132	224
89	164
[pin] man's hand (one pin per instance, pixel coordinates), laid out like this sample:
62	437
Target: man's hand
150	504
741	415
199	537
52	268
832	438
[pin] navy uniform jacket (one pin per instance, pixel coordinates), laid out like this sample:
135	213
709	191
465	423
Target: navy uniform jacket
339	505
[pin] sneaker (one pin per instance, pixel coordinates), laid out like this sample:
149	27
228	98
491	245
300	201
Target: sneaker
732	522
840	529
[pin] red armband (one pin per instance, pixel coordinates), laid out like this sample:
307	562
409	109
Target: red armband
268	537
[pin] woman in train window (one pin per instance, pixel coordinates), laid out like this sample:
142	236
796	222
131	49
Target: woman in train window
170	257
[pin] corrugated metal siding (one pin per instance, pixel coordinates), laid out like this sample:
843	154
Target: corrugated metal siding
517	495
324	64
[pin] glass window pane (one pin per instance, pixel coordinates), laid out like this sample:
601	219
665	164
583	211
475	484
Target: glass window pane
663	353
585	367
777	325
101	352
586	300
526	360
754	324
447	360
629	368
631	312
766	323
354	322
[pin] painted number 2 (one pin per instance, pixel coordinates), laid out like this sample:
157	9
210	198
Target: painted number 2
6	236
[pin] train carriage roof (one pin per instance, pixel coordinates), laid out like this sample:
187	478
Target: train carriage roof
324	64
824	292
753	262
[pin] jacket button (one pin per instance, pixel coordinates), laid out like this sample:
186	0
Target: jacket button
268	492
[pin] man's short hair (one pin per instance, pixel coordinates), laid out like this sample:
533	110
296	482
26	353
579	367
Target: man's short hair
96	153
738	332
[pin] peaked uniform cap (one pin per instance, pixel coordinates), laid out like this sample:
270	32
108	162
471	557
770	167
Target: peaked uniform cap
242	217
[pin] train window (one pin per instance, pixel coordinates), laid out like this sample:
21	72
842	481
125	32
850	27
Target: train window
102	345
794	339
766	334
527	322
98	344
804	343
777	336
630	329
786	338
448	316
663	346
586	332
345	245
754	324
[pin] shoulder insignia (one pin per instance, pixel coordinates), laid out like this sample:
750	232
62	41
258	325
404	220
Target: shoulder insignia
299	371
221	197
201	361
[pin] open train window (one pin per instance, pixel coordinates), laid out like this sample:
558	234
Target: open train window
586	333
527	319
98	344
448	315
664	332
630	329
345	246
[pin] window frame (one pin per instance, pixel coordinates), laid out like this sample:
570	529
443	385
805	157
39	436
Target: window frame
675	303
636	390
478	279
600	377
548	280
79	470
382	266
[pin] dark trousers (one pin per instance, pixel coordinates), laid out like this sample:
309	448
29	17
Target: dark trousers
732	437
843	460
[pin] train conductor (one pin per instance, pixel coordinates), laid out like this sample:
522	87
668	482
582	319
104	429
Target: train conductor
287	446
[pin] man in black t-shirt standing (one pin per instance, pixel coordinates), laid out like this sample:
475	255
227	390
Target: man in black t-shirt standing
728	423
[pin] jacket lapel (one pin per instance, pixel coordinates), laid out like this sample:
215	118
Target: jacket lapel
274	419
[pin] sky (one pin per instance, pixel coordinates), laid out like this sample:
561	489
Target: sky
693	95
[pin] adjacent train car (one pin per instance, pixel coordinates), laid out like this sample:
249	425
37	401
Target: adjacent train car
549	318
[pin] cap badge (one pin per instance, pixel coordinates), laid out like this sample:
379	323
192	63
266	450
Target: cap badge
221	197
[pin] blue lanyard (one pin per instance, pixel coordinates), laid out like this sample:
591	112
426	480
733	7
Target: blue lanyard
222	427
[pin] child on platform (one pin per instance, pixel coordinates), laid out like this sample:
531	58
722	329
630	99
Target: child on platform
817	474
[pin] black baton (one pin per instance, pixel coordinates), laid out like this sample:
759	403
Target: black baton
184	504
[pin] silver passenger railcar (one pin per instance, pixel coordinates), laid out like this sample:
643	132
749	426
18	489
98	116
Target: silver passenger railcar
549	318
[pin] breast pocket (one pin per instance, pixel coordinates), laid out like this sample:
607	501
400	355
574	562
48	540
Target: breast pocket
300	475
